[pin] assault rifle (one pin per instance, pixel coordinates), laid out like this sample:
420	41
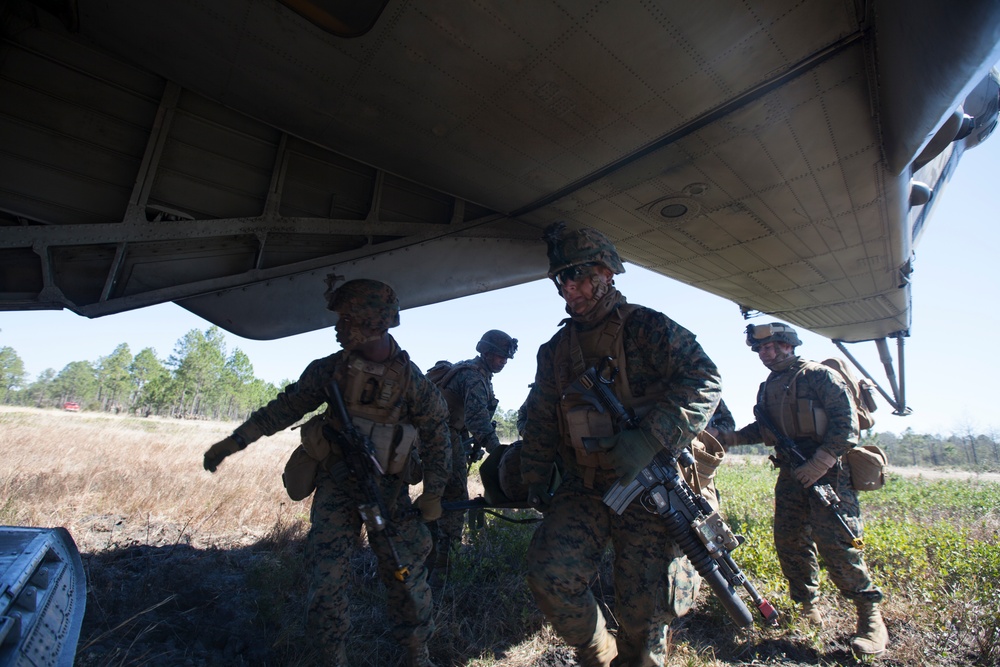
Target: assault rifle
364	470
700	531
789	451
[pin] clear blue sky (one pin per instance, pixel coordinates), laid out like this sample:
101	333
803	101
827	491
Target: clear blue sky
952	370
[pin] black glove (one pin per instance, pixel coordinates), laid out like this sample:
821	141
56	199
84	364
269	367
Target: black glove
219	451
630	451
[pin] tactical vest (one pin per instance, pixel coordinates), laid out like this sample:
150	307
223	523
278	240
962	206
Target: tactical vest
801	419
577	351
373	395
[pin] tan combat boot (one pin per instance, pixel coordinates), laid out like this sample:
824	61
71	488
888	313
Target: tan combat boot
600	650
812	614
872	636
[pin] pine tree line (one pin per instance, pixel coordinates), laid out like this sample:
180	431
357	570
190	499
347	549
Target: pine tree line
198	380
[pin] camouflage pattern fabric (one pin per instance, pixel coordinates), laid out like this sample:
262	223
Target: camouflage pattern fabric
333	536
568	545
723	419
802	526
336	523
818	383
474	384
656	348
371	303
568	248
566	551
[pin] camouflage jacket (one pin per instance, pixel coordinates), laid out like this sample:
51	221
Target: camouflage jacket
722	418
659	353
473	384
423	408
817	383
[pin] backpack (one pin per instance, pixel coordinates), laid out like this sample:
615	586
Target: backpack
867	462
440	374
861	391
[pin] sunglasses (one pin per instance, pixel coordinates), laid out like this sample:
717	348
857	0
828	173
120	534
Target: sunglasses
574	273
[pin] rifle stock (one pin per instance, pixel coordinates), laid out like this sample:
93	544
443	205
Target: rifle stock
700	532
789	451
364	469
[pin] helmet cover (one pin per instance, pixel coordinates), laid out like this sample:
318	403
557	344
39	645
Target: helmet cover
372	304
497	342
579	246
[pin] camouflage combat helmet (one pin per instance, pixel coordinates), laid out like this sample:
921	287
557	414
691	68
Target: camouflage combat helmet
568	248
371	303
766	333
497	342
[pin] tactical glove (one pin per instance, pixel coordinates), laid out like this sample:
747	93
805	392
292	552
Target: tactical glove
430	506
630	451
539	497
809	472
220	450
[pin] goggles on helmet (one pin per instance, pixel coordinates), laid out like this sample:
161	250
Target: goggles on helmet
759	334
761	331
573	273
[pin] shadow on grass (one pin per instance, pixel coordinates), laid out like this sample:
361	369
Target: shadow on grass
180	605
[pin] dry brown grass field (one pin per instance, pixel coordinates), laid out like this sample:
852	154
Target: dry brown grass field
189	568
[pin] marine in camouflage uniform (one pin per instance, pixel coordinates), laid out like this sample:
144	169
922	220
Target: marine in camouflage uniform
468	390
665	376
799	397
371	367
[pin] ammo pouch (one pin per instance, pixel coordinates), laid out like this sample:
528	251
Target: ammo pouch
867	464
708	454
583	421
299	476
393	444
811	419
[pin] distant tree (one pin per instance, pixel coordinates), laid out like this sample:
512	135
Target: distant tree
41	392
77	381
114	378
12	373
237	378
506	421
198	361
151	383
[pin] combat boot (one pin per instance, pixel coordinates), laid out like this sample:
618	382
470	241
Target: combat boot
600	650
419	656
812	614
872	636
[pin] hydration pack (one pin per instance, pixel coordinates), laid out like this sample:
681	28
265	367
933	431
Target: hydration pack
861	391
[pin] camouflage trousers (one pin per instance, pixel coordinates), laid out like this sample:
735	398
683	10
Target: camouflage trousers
803	527
333	536
450	524
564	557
